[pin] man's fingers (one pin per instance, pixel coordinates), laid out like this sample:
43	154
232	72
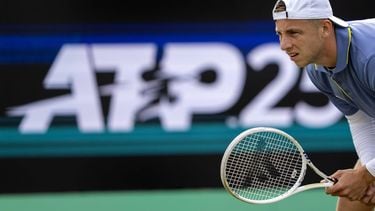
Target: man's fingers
334	189
366	199
369	197
337	174
333	179
370	190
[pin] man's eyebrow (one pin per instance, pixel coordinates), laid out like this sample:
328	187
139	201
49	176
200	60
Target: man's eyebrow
290	30
293	30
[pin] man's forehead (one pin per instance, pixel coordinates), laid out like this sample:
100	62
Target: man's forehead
289	24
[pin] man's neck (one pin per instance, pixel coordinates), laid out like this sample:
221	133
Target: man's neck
329	53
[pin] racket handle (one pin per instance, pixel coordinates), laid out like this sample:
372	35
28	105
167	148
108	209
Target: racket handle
313	186
332	179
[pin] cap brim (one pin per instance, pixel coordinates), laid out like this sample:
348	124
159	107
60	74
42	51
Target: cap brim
338	21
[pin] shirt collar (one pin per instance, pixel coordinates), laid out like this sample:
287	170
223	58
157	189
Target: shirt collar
343	40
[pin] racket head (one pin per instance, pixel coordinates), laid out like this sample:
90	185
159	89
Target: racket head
263	165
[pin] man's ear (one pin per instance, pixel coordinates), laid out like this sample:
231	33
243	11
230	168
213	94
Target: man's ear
327	27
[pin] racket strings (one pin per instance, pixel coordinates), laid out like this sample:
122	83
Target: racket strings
263	165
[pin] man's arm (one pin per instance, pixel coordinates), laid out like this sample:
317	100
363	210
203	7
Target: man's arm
362	128
354	183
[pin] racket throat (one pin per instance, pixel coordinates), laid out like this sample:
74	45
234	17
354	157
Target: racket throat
316	170
312	186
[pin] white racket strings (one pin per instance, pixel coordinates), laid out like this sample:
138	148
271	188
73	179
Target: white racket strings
263	165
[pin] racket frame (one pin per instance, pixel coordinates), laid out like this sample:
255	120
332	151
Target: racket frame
296	188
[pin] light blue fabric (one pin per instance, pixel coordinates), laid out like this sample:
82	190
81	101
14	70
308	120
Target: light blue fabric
351	85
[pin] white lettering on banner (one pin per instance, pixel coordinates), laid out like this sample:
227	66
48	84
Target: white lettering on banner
191	60
262	110
127	60
70	70
191	78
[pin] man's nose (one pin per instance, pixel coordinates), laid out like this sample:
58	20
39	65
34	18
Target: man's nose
285	43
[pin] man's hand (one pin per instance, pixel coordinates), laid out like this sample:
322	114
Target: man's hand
369	197
353	184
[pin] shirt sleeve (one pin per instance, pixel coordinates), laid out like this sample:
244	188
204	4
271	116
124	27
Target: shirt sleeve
362	128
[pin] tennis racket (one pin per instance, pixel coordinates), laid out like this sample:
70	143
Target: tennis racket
264	165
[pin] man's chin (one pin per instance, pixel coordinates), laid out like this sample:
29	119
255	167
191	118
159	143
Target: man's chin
300	64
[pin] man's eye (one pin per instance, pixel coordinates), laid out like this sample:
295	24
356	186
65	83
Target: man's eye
294	33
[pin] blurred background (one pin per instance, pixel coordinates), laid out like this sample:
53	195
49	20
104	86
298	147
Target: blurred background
129	105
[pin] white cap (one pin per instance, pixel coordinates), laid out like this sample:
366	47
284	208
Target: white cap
305	9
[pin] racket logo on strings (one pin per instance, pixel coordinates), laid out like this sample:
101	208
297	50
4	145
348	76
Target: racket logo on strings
264	165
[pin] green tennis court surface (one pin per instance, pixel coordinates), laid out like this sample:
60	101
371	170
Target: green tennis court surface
181	200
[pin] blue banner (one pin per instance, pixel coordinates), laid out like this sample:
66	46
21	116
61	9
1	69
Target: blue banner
143	89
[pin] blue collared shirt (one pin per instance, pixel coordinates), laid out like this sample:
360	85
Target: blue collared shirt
351	84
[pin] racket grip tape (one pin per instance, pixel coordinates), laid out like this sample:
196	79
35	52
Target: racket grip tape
333	179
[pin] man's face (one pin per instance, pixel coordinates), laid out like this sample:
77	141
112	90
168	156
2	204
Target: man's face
301	39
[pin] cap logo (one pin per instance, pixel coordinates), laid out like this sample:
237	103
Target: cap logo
280	7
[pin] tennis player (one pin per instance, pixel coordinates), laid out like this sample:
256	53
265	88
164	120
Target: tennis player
339	58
